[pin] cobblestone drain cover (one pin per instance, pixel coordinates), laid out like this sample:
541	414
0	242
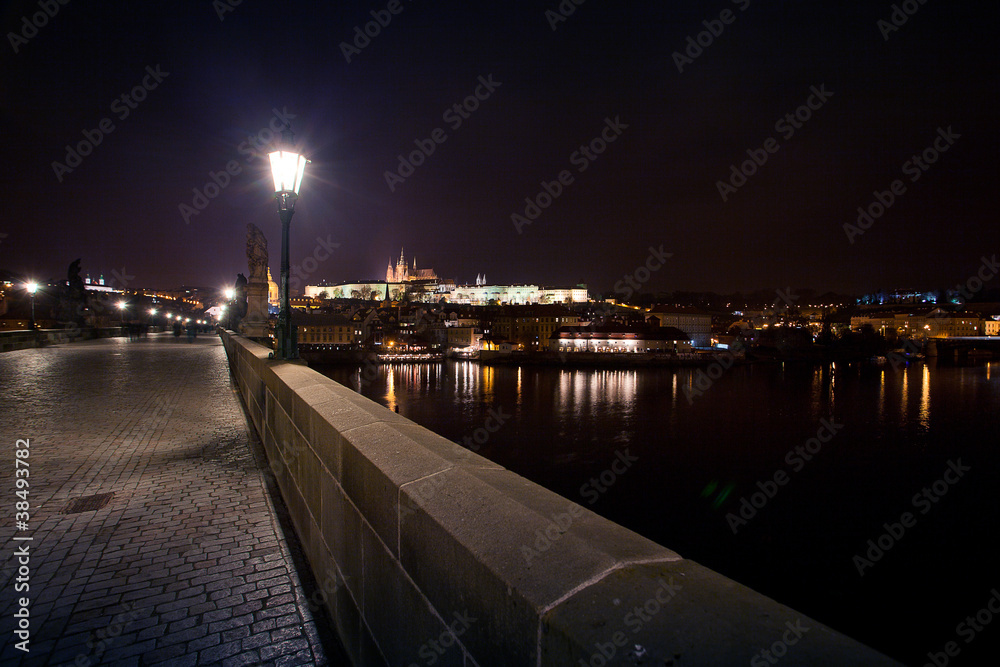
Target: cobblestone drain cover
88	503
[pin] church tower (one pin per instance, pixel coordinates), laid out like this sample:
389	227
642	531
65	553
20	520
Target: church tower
400	272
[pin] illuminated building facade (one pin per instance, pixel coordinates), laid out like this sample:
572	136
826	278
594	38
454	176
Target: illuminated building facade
619	340
401	272
530	327
696	323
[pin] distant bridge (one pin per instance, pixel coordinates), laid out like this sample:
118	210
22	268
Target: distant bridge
962	346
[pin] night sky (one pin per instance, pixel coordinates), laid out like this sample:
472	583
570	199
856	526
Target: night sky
886	93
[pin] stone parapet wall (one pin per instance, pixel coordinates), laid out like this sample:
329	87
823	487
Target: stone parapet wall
429	554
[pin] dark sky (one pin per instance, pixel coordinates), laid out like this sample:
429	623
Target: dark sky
656	184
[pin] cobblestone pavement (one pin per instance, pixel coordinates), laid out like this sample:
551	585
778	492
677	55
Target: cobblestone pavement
188	563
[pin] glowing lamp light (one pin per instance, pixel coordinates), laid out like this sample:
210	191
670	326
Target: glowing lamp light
287	170
32	287
122	305
230	294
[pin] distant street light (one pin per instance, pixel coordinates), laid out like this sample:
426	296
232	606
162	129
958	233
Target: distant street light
230	295
287	168
122	305
32	288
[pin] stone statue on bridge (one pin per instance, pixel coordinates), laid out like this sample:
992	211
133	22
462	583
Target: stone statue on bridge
256	253
73	300
255	323
239	300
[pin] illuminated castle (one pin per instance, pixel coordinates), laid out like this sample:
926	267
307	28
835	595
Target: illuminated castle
402	273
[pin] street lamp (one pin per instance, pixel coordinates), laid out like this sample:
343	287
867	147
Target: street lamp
230	293
32	288
122	305
287	169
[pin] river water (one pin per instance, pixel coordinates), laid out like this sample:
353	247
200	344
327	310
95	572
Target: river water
694	451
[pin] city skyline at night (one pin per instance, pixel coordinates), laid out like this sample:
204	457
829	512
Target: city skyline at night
847	149
562	332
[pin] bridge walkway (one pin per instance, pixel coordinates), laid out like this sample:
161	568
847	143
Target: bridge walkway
155	536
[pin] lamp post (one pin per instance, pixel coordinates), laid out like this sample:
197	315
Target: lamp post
287	168
122	305
230	294
32	288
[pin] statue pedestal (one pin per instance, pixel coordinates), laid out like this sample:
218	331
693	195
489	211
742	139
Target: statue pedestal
254	325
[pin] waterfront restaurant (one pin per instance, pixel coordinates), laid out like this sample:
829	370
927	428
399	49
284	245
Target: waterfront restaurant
619	339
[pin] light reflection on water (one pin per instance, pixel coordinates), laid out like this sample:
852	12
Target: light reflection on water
925	398
900	428
564	400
